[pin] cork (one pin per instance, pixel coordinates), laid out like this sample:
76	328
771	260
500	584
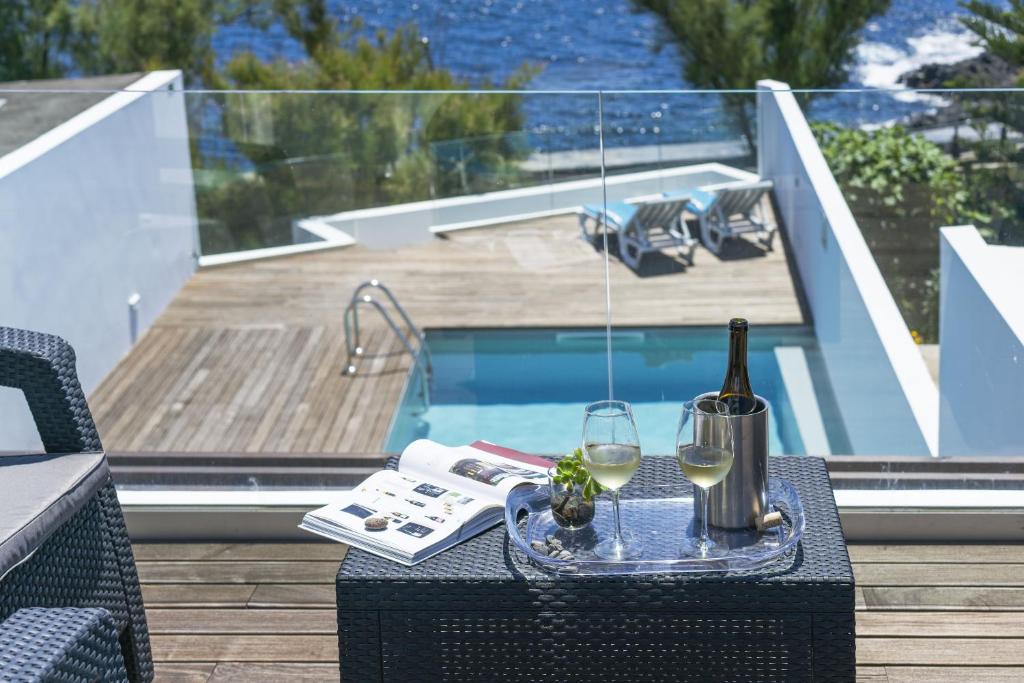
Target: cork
772	519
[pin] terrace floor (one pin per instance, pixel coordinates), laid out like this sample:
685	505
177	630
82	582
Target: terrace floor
248	357
265	612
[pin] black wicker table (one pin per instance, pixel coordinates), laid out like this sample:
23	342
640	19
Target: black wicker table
479	612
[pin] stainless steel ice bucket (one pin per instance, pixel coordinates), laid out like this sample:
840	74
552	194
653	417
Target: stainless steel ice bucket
742	497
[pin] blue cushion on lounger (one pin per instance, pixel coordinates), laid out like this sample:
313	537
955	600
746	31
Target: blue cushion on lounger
620	212
699	201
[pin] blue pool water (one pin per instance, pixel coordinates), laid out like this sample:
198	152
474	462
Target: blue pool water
526	389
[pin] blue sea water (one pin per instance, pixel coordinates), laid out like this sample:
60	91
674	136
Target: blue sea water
611	45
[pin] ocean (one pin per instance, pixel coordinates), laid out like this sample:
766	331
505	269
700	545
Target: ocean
610	45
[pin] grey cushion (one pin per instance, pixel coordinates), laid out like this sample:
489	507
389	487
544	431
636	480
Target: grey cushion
38	493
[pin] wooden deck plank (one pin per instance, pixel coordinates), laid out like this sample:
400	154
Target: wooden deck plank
945	598
294	596
365	381
157	361
241	416
192	595
292	369
271	629
175	672
185	412
871	674
278	393
239	551
220	370
294	415
245	648
320	409
960	625
242	621
948	554
185	358
254	672
1008	575
952	674
940	651
237	572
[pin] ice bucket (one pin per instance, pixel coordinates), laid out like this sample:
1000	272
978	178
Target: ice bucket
742	497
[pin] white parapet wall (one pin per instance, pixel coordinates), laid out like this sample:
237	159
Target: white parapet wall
887	400
981	337
417	222
97	230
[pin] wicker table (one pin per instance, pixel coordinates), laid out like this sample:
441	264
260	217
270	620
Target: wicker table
477	612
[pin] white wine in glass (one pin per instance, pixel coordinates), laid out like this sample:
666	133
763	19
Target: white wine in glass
705	466
704	448
613	465
611	452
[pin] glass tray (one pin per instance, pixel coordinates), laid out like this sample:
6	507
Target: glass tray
661	520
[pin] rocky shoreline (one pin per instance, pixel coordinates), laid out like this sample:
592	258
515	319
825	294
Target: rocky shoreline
984	71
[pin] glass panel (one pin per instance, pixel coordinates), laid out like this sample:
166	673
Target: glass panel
199	250
844	307
226	338
266	163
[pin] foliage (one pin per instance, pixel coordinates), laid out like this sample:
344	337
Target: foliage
54	38
993	163
572	470
34	36
999	29
327	152
886	165
290	155
116	36
730	44
902	188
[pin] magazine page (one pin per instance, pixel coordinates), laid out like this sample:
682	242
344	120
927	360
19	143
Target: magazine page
483	469
419	513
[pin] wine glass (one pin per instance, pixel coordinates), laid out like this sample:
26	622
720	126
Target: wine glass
611	452
704	448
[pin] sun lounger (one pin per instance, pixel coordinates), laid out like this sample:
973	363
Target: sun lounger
730	212
642	227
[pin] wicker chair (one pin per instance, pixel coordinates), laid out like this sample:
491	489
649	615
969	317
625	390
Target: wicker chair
70	604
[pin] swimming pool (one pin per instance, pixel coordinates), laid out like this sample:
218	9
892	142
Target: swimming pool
526	389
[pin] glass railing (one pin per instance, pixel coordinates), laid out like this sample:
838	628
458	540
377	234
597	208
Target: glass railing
211	244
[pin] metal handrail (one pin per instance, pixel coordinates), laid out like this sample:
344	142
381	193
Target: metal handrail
420	356
377	284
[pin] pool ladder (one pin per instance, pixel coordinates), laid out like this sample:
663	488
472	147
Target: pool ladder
420	353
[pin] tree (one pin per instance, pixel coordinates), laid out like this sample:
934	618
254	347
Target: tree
1000	30
54	38
323	152
301	153
115	36
34	37
730	44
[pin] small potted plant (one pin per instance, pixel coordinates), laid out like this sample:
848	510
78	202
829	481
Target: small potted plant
572	492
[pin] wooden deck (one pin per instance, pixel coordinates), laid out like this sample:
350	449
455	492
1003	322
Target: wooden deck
266	612
248	357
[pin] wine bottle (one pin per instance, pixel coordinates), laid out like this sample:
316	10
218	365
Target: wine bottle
736	392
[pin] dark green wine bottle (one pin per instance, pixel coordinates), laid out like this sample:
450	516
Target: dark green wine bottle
736	392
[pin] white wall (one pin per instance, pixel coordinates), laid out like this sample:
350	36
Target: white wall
92	212
888	402
981	337
390	226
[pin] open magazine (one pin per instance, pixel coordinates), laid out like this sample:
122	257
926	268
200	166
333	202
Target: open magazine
439	496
